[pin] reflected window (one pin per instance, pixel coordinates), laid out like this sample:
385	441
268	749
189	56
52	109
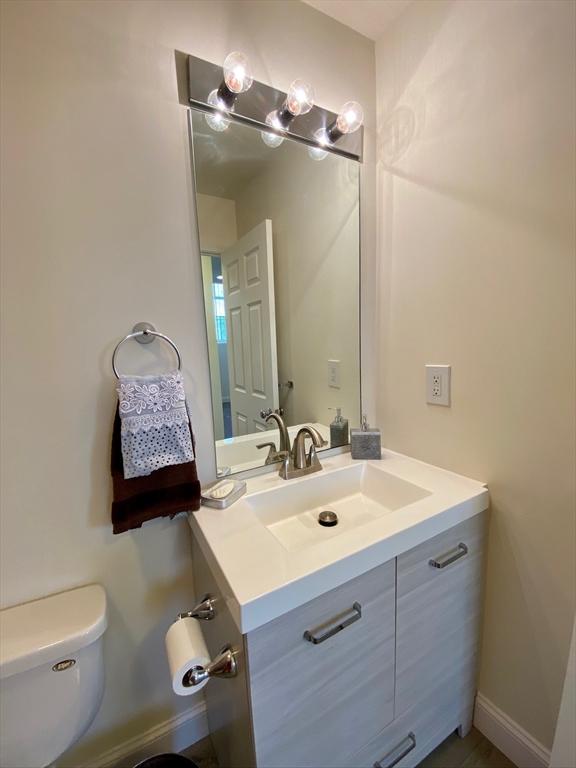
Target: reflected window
219	312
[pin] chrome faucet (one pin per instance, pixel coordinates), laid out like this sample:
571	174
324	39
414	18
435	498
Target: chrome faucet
284	446
295	461
298	462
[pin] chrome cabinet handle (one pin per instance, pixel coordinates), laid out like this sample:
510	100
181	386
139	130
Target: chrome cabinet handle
449	557
398	753
342	623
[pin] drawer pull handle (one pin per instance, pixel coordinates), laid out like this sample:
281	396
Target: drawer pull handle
398	753
355	615
449	557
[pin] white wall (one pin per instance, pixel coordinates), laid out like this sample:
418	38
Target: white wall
476	206
313	207
98	233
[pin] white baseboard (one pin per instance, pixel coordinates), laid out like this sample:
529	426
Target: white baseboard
510	738
172	735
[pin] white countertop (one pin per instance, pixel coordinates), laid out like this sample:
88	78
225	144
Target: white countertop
261	580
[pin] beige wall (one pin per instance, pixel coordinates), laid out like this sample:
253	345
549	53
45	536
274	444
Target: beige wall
216	222
476	205
98	232
314	211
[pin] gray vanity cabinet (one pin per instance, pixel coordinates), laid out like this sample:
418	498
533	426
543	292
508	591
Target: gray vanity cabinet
376	672
322	675
438	626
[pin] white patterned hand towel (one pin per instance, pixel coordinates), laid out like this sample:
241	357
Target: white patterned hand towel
155	425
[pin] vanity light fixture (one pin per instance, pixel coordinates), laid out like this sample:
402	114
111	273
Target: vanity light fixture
214	90
237	79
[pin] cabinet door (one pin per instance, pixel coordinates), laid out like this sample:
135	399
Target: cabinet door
439	608
322	676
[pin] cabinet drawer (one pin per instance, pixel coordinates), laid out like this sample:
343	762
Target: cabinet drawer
322	676
439	608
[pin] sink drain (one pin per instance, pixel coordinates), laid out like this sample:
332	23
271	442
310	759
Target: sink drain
327	518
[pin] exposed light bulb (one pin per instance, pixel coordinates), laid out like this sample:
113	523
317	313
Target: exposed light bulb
272	139
299	101
350	118
317	153
300	98
237	72
216	120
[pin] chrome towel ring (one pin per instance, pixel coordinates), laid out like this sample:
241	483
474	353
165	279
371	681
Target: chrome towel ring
144	333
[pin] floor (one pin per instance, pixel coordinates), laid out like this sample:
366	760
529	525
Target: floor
475	751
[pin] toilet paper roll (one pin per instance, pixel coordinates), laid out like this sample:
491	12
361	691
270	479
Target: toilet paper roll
186	648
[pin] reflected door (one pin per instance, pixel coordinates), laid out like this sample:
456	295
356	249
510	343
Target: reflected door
248	272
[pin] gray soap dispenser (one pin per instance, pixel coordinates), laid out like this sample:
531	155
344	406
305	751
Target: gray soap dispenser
365	443
338	430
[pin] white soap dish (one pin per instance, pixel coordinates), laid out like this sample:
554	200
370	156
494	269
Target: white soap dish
223	493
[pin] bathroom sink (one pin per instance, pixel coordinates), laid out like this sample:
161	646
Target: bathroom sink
358	494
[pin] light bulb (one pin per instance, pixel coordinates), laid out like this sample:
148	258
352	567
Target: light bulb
237	72
317	153
216	120
269	138
350	118
300	98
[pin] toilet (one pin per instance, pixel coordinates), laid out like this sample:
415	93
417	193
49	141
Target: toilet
51	674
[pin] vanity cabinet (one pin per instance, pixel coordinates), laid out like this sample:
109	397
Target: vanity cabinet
322	675
376	672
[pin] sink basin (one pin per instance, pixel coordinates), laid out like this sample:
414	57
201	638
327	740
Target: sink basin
358	494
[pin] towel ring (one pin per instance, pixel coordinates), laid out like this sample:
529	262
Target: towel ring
142	332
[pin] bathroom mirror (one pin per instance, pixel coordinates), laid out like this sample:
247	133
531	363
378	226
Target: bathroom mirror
279	242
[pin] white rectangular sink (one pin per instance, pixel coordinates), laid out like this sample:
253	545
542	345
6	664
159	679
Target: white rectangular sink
358	494
270	555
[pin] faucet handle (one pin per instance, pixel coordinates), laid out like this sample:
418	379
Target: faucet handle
272	457
265	412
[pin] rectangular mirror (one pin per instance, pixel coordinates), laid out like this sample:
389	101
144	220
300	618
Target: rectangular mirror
279	234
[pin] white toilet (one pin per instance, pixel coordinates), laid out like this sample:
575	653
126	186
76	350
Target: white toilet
51	674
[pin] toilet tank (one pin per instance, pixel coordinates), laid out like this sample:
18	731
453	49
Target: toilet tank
51	674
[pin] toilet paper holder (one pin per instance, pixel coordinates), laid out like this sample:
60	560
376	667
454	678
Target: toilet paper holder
204	610
224	665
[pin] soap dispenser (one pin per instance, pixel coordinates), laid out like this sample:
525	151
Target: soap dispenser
338	429
365	443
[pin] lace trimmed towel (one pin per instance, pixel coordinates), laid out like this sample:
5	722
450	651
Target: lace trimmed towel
155	427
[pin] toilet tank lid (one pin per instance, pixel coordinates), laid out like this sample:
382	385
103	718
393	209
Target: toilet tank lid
50	629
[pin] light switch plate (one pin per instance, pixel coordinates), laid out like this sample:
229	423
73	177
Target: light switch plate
438	384
334	374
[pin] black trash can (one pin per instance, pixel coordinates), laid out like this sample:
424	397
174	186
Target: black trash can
168	760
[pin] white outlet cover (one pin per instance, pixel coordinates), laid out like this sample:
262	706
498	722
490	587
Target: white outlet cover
334	374
438	384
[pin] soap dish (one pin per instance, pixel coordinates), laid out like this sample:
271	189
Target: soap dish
223	493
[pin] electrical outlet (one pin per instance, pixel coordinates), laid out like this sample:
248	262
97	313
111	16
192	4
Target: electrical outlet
438	384
334	374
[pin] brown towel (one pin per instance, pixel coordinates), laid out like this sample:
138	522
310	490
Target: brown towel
162	493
